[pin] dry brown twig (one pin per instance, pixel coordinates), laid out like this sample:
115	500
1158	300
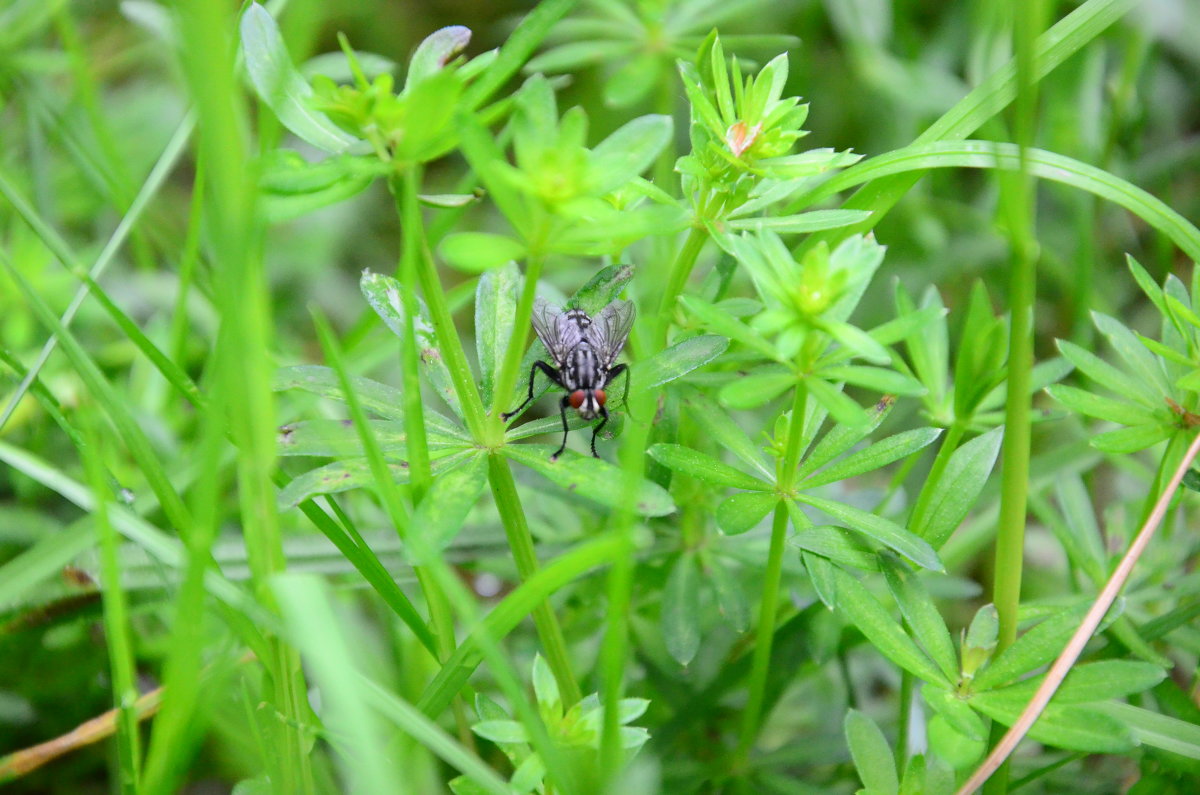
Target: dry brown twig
1062	666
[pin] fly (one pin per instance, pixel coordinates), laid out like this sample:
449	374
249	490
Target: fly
583	352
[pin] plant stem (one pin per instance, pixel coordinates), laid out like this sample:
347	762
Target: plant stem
949	444
520	542
905	719
405	193
1019	207
506	379
765	634
680	270
615	649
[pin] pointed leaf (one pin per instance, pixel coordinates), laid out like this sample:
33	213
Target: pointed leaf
744	511
875	456
704	467
450	498
885	531
628	152
281	86
681	610
883	632
495	314
720	427
678	360
871	753
961	482
592	478
922	615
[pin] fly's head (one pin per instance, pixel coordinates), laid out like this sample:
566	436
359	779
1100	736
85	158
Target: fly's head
588	402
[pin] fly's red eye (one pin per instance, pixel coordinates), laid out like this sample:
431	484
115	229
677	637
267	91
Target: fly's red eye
576	398
600	396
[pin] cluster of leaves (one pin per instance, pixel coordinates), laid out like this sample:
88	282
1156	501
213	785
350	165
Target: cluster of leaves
862	489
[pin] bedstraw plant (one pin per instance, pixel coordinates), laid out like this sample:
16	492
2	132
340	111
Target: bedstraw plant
856	498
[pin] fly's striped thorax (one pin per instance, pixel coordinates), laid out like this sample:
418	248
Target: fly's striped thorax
581	370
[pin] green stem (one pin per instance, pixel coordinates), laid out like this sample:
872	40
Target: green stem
1019	208
772	577
615	650
520	542
506	379
680	270
949	445
404	191
904	722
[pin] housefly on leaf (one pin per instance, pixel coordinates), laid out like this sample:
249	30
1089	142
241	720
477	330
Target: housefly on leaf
583	352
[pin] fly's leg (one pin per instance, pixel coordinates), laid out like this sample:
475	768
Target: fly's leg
612	376
562	405
596	430
545	368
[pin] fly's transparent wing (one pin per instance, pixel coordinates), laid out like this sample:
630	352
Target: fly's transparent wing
557	332
609	330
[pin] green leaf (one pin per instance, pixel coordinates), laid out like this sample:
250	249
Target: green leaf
956	490
45	559
678	360
592	478
873	457
1035	648
1110	377
812	221
876	378
1103	408
628	152
279	85
501	731
704	467
1129	440
517	47
450	498
377	398
885	531
836	543
1155	729
883	632
495	314
602	289
744	511
338	438
731	597
476	252
840	407
922	615
718	426
841	438
545	688
681	610
1096	681
726	325
634	79
956	711
863	344
753	390
1075	727
291	186
352	473
1144	366
821	573
383	294
871	753
434	52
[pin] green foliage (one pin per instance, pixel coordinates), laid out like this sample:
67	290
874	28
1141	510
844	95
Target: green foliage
779	567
